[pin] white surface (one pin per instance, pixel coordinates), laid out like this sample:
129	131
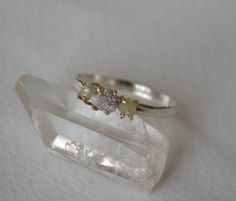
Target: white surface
184	48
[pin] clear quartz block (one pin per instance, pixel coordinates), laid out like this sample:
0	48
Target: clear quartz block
119	148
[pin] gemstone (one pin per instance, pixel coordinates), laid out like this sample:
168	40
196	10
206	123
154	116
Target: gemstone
106	101
128	107
88	90
133	151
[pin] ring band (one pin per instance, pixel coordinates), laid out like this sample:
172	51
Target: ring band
101	93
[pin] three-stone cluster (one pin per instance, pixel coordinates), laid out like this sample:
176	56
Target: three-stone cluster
107	100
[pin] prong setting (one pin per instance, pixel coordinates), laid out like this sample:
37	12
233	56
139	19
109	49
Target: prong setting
107	100
130	116
95	108
123	99
114	92
122	115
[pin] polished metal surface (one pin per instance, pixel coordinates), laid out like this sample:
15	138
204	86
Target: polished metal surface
150	101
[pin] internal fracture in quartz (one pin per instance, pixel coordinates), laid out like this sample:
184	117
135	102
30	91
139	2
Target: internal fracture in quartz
132	150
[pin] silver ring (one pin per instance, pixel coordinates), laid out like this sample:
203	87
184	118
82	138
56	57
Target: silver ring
108	94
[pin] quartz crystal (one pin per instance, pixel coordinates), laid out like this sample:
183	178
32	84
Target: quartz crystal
133	150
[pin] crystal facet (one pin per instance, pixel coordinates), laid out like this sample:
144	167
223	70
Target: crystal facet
132	150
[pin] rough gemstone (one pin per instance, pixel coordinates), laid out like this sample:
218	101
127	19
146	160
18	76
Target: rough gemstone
88	90
129	107
106	101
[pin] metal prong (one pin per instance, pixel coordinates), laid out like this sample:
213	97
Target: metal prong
122	115
99	89
136	102
130	117
95	108
83	98
123	100
114	92
139	108
86	102
81	83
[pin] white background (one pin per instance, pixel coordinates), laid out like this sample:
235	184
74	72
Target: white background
185	48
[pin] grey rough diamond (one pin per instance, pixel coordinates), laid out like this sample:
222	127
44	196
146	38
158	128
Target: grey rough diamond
106	101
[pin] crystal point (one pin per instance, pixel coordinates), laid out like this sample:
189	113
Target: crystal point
132	150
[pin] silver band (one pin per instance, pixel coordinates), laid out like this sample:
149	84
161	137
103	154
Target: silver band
150	102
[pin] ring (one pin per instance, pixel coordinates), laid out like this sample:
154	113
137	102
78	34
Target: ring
101	93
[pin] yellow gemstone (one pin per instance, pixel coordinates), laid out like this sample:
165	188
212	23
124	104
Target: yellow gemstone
88	90
128	108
